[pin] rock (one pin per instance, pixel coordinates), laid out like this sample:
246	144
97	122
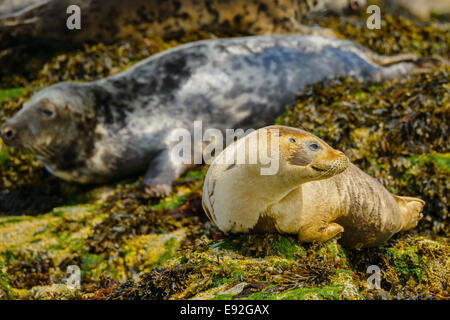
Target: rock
240	267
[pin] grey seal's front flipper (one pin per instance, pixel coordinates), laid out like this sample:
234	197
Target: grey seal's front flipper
163	170
161	173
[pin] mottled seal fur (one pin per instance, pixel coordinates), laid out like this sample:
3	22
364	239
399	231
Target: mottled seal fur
316	194
44	21
111	128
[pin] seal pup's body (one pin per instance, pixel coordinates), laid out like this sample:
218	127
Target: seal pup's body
44	21
119	126
316	194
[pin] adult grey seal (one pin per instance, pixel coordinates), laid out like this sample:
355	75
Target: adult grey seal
44	21
315	193
111	128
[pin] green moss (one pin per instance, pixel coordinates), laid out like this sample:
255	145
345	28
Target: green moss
322	293
57	213
5	287
170	247
287	248
89	262
263	295
3	157
232	242
11	93
219	281
218	296
327	293
171	203
238	274
11	220
407	263
191	174
441	160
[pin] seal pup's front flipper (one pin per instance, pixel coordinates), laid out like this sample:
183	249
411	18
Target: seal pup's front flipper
411	209
319	232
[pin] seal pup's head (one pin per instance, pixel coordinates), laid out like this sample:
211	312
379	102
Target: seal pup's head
305	156
237	195
55	124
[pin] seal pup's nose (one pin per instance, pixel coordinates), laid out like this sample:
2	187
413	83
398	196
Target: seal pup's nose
8	133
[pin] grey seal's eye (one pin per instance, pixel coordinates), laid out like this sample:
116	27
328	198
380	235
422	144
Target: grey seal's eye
47	113
314	146
292	140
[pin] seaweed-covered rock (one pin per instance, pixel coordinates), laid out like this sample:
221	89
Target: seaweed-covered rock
398	33
276	267
116	235
42	67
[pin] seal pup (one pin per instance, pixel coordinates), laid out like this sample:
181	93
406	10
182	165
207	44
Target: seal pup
44	21
119	126
316	194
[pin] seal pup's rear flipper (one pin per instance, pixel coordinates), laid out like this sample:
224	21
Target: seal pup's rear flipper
411	209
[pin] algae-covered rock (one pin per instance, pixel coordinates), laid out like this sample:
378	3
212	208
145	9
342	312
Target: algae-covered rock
113	237
276	267
398	32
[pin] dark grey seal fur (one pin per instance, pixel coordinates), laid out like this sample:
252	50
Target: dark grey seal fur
99	131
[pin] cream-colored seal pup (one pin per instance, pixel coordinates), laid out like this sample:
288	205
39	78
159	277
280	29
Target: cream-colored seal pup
316	192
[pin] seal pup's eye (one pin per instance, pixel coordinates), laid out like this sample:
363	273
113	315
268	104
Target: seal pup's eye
314	146
292	140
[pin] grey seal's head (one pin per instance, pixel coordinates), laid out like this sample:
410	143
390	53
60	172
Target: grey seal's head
57	125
